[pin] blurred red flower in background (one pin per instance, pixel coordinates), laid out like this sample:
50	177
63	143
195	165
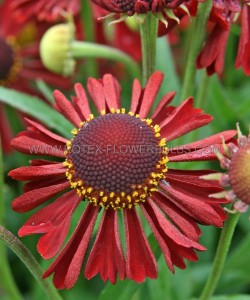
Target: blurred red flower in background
20	61
44	10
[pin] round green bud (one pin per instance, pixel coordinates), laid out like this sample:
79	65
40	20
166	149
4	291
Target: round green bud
55	49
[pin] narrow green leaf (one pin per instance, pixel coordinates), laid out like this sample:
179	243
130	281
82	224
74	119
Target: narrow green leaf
45	89
36	108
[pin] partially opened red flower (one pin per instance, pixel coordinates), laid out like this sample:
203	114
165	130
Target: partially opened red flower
44	10
116	161
223	15
138	6
236	179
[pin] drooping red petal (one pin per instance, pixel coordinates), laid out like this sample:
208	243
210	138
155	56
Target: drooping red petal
67	266
200	211
213	53
34	198
106	256
53	221
243	56
150	92
171	240
65	107
182	220
37	172
140	261
182	120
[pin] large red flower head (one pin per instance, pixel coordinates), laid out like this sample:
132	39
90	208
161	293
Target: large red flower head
117	162
131	7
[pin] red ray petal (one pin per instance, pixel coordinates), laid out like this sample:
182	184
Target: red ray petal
65	107
53	221
162	104
45	131
81	102
67	266
175	246
140	261
34	198
106	256
183	221
201	211
136	95
37	172
183	119
112	91
96	92
150	92
31	142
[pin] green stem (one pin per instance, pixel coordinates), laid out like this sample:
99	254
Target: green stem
148	31
91	50
91	66
7	279
220	256
202	90
28	259
197	38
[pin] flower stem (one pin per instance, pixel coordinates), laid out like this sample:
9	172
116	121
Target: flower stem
220	256
92	50
7	279
91	67
28	259
148	31
197	38
202	90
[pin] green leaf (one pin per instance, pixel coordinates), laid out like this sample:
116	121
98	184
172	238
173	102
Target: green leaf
229	297
122	290
46	90
36	108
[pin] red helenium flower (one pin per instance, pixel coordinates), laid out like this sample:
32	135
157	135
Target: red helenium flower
222	16
44	10
131	7
236	180
117	162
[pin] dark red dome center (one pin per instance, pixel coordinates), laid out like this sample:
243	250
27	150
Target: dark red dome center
6	59
114	152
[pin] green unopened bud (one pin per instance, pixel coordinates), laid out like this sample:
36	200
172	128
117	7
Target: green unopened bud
132	23
55	49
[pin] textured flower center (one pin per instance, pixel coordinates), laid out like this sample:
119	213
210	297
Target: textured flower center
9	61
142	6
6	59
116	160
239	173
